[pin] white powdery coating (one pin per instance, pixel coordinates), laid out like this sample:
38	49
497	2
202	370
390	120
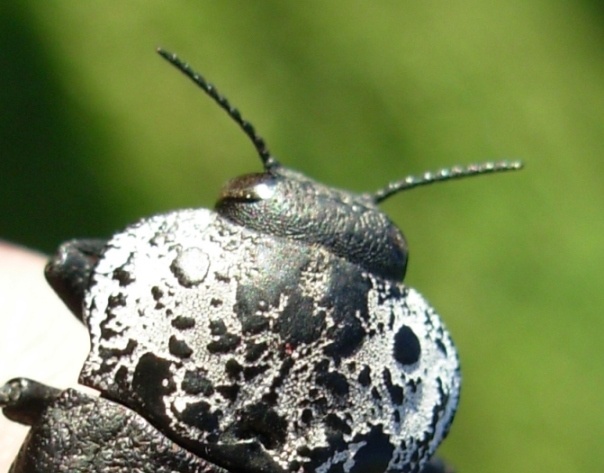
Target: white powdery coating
190	264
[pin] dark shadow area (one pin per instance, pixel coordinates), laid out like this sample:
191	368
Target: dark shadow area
48	191
597	8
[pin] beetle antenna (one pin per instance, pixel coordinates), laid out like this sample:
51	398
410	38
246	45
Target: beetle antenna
444	174
268	161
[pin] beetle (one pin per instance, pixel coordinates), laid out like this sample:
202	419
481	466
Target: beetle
271	335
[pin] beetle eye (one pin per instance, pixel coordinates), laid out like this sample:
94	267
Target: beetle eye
249	188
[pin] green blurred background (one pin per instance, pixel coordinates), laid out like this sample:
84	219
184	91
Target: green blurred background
97	131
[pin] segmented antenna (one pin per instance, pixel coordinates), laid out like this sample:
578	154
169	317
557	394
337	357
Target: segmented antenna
445	174
268	161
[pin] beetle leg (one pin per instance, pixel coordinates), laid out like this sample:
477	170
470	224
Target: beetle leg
23	400
75	432
69	270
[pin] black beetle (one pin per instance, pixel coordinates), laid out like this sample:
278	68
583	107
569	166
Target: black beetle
270	335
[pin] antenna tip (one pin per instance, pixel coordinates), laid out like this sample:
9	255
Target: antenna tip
511	165
445	174
163	53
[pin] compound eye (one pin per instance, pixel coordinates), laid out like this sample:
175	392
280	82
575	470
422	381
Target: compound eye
249	188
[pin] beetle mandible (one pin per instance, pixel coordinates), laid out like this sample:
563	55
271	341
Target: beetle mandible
272	334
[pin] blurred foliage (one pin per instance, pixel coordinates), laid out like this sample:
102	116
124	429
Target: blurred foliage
96	131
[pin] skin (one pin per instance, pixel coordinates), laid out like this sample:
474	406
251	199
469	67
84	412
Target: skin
39	338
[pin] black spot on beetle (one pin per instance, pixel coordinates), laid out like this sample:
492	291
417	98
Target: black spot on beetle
440	407
250	372
215	302
107	326
151	381
407	348
156	293
336	468
228	391
335	382
195	382
199	415
183	323
396	392
335	423
217	327
441	346
222	277
254	350
224	344
179	348
233	368
121	378
116	300
304	451
365	376
320	405
122	276
261	422
106	353
284	369
336	443
347	336
322	366
271	398
306	416
374	456
387	291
